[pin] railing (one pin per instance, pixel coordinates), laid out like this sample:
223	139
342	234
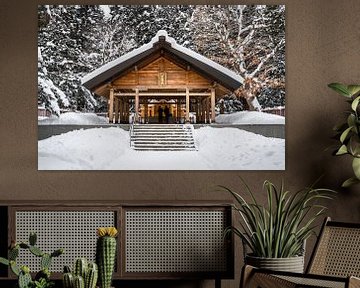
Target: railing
276	110
131	133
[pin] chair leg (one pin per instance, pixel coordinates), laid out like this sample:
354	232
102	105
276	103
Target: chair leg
354	282
217	282
246	274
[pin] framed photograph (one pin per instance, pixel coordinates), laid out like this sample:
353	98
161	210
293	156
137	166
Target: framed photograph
153	87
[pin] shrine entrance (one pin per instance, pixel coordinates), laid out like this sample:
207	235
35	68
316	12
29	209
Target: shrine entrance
162	74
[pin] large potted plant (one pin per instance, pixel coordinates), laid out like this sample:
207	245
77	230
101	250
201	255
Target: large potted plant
349	131
275	234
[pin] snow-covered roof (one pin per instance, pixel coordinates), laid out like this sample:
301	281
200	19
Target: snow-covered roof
219	73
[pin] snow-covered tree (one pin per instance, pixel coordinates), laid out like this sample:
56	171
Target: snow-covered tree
141	22
249	40
64	41
74	40
49	94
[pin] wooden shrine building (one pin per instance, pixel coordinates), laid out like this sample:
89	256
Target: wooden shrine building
158	74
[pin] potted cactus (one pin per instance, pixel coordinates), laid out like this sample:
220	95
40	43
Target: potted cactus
42	278
106	254
84	275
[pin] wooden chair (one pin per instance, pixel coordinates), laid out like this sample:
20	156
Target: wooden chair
334	263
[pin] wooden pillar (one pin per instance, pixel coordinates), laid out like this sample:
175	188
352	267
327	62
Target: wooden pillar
146	106
198	110
121	112
126	108
116	110
136	105
212	105
111	106
187	105
207	110
202	107
178	110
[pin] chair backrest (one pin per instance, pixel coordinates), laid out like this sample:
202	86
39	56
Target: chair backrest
337	251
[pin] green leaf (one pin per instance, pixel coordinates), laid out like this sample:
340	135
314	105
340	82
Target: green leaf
356	167
349	182
353	89
342	150
351	120
355	103
14	268
354	146
345	134
340	88
4	261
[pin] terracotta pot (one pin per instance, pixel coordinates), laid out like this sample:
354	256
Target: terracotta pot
291	264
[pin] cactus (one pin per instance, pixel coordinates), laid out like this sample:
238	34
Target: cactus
32	238
24	278
88	273
105	254
36	251
80	268
13	253
45	261
67	269
68	280
4	261
91	276
57	253
43	274
79	282
14	268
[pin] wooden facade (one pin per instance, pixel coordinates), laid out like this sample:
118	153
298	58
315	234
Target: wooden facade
163	77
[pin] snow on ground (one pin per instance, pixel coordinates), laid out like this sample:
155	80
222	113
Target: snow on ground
74	118
109	149
249	117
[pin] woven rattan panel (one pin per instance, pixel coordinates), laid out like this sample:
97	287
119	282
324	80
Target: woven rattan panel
311	282
75	231
338	253
175	241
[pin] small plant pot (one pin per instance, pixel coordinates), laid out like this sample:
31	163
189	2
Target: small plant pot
291	264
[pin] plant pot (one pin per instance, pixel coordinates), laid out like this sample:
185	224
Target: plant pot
291	264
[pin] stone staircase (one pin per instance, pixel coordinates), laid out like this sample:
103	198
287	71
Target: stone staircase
162	137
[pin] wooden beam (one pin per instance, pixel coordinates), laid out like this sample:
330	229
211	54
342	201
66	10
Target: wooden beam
148	87
163	94
187	117
111	106
212	98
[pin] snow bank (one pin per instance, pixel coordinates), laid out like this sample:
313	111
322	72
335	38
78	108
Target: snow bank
236	149
109	149
249	117
74	118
